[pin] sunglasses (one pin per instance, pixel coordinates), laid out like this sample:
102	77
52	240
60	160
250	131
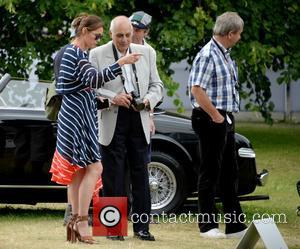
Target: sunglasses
98	36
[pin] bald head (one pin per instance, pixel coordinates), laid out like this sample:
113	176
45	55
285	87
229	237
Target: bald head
121	33
120	22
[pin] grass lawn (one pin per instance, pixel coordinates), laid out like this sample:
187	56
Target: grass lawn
277	149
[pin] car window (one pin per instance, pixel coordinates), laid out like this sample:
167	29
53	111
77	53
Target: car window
23	94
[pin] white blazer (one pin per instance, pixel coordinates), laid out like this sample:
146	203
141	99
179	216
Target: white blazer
150	85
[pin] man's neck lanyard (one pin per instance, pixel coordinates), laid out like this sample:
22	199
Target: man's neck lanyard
220	48
133	69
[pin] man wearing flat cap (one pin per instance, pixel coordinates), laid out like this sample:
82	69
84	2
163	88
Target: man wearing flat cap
141	23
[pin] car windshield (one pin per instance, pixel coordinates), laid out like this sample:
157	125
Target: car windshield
23	94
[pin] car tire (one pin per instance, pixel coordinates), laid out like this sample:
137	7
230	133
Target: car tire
168	183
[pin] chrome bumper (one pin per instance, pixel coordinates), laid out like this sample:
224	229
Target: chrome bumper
262	177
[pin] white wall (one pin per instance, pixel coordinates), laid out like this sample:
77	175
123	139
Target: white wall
181	76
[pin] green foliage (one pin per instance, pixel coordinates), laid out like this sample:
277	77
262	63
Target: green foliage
36	29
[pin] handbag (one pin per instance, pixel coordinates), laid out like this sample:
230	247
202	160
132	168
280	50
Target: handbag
52	102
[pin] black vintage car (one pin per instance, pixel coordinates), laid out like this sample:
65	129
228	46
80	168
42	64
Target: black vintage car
27	143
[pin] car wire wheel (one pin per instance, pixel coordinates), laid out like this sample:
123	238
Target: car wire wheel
163	185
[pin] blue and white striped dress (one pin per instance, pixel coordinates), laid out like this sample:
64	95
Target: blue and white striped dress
77	135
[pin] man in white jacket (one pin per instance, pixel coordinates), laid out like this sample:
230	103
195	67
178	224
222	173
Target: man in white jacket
125	126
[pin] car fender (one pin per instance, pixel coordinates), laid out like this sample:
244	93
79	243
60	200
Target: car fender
159	142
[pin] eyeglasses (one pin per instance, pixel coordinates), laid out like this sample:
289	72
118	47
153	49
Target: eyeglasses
98	36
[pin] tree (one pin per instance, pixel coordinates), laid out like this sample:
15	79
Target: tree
36	29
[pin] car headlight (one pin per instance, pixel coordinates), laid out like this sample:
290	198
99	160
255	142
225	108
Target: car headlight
246	152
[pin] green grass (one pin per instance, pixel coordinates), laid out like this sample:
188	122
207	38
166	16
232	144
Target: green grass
277	149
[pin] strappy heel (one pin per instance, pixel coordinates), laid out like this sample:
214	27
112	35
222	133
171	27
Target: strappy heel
70	225
76	235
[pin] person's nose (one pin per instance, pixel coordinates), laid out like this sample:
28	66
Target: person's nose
123	37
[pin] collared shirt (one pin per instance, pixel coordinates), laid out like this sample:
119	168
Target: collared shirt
128	75
215	72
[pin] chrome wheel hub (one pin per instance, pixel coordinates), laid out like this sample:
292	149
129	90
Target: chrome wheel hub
162	183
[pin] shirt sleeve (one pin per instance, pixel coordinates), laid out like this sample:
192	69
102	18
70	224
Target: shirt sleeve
201	73
93	78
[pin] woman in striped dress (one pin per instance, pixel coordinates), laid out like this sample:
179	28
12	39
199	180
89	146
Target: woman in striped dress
77	160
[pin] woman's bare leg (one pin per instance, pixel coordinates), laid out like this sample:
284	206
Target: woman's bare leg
73	190
86	189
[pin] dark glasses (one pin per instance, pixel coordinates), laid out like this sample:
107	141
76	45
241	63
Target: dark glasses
98	36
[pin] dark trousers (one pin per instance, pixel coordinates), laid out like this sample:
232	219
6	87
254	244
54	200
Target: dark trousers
218	166
128	143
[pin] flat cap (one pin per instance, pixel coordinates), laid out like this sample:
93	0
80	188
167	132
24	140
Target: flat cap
140	20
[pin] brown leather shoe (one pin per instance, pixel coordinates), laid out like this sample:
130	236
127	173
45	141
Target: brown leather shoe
76	235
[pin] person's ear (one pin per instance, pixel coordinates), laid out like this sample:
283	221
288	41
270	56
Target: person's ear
110	34
230	34
84	30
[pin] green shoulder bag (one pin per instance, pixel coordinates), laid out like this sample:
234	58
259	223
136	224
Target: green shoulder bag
52	102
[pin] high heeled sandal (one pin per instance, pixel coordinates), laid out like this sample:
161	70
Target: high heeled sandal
70	225
85	239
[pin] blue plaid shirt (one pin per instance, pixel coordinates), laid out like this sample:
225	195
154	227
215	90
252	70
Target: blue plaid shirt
215	72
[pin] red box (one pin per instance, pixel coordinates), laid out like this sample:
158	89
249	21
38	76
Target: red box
110	216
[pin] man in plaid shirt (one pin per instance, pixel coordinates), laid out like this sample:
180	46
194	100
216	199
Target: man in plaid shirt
213	92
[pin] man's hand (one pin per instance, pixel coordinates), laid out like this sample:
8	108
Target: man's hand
147	104
152	126
218	119
205	103
122	99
